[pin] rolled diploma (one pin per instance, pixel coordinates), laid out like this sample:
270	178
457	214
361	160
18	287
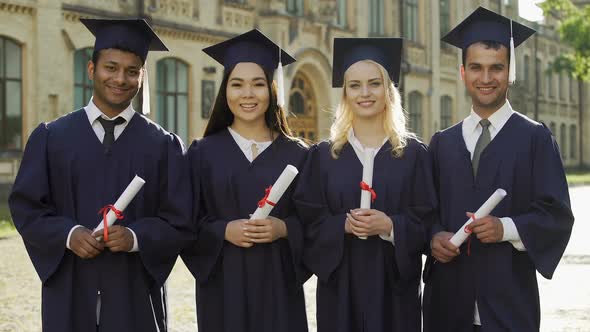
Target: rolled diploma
487	207
368	160
123	201
276	192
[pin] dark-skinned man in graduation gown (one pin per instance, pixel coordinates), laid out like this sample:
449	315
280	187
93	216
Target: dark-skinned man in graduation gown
74	166
489	283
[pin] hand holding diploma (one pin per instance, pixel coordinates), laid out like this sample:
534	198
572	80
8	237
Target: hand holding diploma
487	207
274	193
113	212
367	193
488	229
367	222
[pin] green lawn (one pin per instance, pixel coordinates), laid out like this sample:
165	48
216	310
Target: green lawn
578	177
6	227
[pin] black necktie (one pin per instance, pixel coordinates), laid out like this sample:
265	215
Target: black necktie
109	131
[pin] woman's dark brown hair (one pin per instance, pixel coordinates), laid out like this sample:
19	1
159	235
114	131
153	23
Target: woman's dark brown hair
222	117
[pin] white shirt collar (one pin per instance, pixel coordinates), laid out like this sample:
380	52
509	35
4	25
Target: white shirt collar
94	113
358	147
357	144
497	119
245	143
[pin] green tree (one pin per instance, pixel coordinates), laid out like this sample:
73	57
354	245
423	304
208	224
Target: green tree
574	30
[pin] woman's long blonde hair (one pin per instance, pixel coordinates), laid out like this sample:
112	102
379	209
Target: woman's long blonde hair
394	120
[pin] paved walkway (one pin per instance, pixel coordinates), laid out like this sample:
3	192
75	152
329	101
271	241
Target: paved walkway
565	300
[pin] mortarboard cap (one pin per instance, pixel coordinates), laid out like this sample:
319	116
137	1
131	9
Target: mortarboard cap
252	46
486	25
134	35
347	51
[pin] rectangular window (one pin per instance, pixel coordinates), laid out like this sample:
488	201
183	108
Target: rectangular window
411	19
10	96
445	18
538	76
342	13
82	84
560	86
549	84
573	141
13	113
13	60
172	96
527	70
572	88
207	98
376	17
295	7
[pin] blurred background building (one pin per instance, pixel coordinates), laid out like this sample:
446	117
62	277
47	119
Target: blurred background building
44	51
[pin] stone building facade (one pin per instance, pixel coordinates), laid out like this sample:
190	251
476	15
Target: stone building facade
44	51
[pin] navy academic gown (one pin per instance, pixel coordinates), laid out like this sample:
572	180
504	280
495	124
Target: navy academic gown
524	160
64	179
257	289
366	285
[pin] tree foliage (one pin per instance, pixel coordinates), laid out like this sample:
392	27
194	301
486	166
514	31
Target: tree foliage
574	30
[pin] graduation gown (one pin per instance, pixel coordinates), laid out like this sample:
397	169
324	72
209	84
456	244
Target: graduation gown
366	285
64	179
524	160
245	289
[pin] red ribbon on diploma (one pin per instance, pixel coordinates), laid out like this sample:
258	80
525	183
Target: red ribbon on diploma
366	187
265	200
105	210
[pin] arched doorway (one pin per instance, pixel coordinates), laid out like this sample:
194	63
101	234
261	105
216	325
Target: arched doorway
303	108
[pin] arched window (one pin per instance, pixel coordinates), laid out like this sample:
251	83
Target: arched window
573	141
82	84
446	112
302	108
415	110
172	95
11	123
297	103
563	141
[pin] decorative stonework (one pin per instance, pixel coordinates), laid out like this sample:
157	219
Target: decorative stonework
69	16
202	37
237	18
107	5
448	60
177	8
327	10
16	9
417	56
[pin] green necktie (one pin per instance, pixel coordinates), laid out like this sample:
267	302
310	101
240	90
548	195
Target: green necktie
483	141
